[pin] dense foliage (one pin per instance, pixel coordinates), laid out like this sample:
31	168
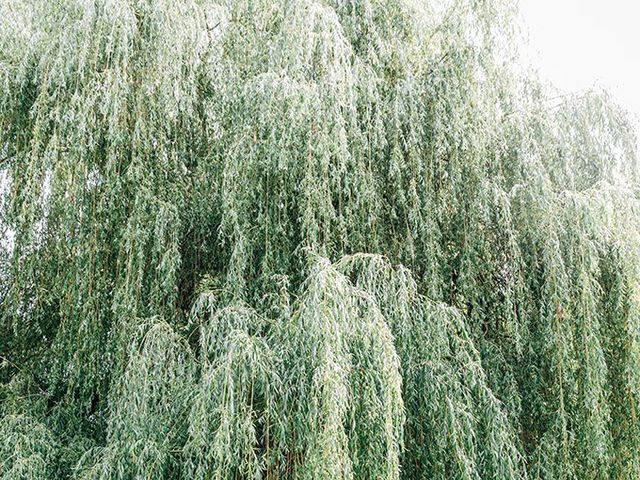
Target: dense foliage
309	239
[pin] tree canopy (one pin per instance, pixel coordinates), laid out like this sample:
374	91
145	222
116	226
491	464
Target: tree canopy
309	239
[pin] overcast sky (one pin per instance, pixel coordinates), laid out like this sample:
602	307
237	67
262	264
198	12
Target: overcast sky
580	43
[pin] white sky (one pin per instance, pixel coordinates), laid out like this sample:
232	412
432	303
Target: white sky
577	44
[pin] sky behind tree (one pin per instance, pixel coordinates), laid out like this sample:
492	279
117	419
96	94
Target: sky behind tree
581	43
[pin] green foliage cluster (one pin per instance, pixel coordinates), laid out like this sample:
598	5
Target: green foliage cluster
309	239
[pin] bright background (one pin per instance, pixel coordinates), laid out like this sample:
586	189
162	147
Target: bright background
578	44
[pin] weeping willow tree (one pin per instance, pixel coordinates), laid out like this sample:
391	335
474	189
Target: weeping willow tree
309	239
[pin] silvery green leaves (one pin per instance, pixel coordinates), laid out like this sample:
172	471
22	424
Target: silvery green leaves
293	239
